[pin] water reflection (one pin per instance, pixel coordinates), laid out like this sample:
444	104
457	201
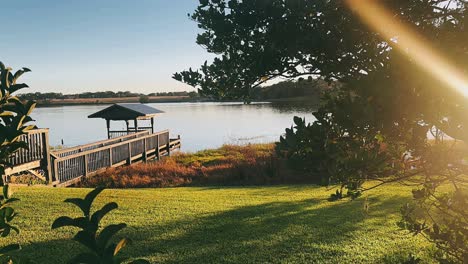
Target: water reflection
201	125
296	107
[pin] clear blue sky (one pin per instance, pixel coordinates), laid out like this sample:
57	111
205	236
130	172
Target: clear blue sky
98	45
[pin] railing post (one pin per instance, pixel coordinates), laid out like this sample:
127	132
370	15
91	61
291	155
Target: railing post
46	158
168	145
144	150
110	157
129	161
158	155
56	171
85	165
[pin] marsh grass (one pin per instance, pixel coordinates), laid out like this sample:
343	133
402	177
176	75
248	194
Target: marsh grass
254	164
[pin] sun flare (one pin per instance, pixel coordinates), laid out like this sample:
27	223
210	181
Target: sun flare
410	43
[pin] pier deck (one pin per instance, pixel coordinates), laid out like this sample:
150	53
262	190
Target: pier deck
67	166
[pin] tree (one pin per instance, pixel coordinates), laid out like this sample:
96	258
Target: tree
400	82
144	99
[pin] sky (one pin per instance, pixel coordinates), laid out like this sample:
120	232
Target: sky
100	45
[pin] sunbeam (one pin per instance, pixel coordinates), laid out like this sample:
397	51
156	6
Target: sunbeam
410	43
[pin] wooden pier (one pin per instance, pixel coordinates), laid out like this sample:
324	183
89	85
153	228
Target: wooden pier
67	166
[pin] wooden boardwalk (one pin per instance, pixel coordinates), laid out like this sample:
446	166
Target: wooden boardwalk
67	166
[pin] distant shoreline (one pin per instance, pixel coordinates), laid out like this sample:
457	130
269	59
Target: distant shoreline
114	100
152	99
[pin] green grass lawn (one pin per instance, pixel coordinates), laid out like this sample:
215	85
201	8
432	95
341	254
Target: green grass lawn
282	224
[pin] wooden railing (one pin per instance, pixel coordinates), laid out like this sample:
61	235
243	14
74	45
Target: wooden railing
34	157
71	164
98	144
120	133
37	141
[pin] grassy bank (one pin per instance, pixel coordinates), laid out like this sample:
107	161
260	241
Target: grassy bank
282	224
255	164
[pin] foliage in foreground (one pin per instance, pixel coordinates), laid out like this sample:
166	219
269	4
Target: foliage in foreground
102	250
254	164
14	115
14	119
7	215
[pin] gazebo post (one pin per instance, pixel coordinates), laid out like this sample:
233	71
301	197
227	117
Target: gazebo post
128	126
152	125
135	122
108	128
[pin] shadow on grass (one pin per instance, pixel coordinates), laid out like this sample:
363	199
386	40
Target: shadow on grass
271	232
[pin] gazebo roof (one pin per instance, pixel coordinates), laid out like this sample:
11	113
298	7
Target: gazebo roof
127	112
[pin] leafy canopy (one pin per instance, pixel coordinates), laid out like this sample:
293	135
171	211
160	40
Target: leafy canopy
373	126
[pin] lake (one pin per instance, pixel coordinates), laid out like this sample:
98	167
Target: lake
200	125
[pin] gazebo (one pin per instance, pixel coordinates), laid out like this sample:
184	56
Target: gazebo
128	112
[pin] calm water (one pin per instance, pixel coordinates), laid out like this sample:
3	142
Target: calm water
200	125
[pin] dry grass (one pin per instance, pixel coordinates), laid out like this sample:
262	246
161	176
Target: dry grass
255	164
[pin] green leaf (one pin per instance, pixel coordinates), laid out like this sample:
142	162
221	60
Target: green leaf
19	73
122	243
4	78
62	221
30	105
6	113
9	248
11	200
85	204
7	211
78	202
107	233
98	215
6	231
16	87
86	239
14	228
5	191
